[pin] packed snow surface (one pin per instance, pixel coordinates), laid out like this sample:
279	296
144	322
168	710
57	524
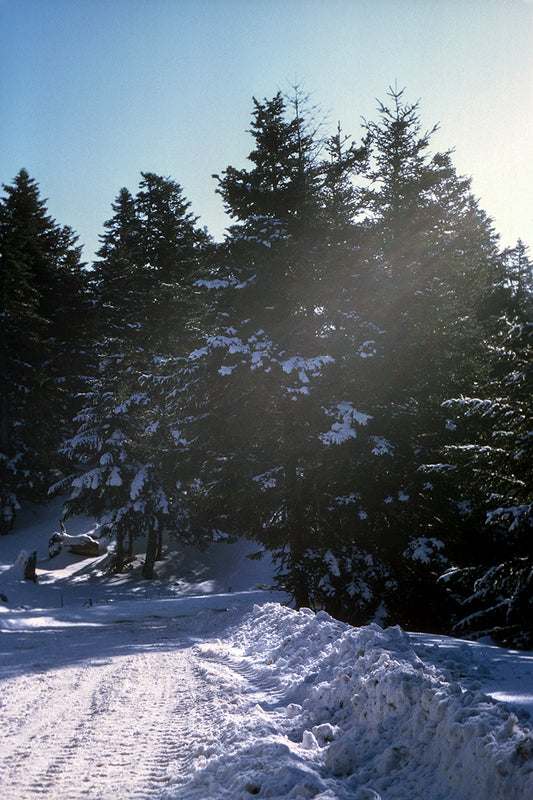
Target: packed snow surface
195	691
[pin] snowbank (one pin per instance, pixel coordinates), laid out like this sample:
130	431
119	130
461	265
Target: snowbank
355	713
213	698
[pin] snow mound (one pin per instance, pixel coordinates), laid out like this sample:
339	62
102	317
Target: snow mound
213	698
355	713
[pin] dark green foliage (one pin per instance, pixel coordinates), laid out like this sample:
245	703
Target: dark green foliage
44	313
519	278
493	459
144	285
275	186
277	325
345	316
426	258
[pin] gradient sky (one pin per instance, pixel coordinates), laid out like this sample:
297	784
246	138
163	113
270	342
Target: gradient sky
94	91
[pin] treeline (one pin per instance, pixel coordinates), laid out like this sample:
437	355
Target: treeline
346	379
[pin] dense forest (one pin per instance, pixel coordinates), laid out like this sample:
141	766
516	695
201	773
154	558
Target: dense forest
346	379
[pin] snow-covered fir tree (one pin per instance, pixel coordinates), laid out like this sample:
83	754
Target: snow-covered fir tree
42	346
344	314
491	458
432	264
287	325
148	260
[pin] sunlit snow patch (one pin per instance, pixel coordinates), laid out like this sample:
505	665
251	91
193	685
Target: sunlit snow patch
343	429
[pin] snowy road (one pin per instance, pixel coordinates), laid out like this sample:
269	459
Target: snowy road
117	726
192	692
103	730
180	700
118	701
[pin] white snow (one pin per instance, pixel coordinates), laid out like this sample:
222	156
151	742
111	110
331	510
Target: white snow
226	370
89	480
201	686
423	549
511	514
267	480
114	477
343	429
305	365
367	349
224	283
136	488
213	284
381	446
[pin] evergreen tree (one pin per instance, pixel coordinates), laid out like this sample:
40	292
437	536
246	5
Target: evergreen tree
266	403
338	343
148	261
44	308
273	189
115	273
432	261
492	456
519	276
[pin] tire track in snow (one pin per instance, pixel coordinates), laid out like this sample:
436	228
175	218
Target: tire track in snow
124	728
30	717
260	681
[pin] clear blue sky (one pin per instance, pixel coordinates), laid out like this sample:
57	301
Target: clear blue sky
94	91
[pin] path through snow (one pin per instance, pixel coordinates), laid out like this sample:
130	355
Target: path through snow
107	726
203	695
168	700
99	731
112	706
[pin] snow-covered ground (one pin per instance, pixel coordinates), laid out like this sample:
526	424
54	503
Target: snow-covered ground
202	685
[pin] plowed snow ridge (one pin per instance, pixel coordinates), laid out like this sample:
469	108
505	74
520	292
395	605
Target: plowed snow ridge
143	701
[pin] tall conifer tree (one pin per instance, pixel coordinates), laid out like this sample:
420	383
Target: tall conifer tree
490	456
44	310
432	265
276	333
148	262
325	404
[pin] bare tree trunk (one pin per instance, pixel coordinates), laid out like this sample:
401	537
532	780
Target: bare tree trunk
119	552
151	553
297	539
159	553
130	548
